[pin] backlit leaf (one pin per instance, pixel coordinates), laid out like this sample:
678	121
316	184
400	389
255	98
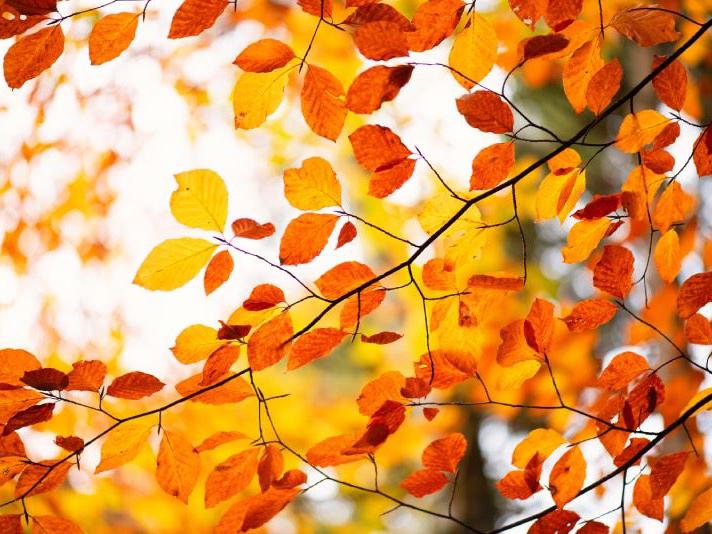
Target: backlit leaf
473	52
178	465
312	186
32	54
123	444
111	35
305	237
200	201
174	263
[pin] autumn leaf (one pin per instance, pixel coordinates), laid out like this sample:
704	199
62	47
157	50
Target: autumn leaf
567	476
699	512
347	234
264	55
694	293
473	52
32	54
250	229
313	186
174	263
86	375
178	465
376	85
313	345
698	330
491	166
486	111
445	453
123	444
381	40
218	271
590	314
49	524
195	16
667	256
603	86
583	238
539	442
639	129
614	271
219	438
270	342
622	370
134	385
111	35
647	27
305	237
257	95
231	476
424	482
323	105
579	71
434	21
200	200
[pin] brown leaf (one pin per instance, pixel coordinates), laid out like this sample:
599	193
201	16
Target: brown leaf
29	416
46	379
381	338
69	443
134	385
541	45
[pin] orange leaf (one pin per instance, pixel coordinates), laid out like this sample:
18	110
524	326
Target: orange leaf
558	521
48	524
659	161
639	129
424	482
590	314
698	330
430	413
694	293
305	237
603	86
492	165
343	278
86	375
316	7
647	27
219	438
270	342
445	453
382	338
671	84
667	257
434	21
578	72
567	476
13	401
702	153
195	16
358	306
233	391
38	478
560	13
539	325
528	11
614	271
451	367
261	508
375	86
249	229
264	55
218	271
386	387
263	297
218	364
644	501
664	472
134	385
377	147
346	234
622	370
314	345
69	443
635	446
291	479
672	207
381	40
583	239
111	35
29	416
231	477
270	466
178	465
322	105
515	347
486	111
32	54
328	453
698	513
501	283
14	363
539	443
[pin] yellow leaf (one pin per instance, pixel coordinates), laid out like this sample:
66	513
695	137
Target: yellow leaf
639	191
123	444
313	186
584	238
257	95
196	343
173	263
667	256
639	129
558	194
672	207
579	70
541	441
111	35
200	200
699	512
473	52
178	466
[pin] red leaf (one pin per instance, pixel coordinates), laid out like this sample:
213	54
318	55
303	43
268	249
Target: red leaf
134	385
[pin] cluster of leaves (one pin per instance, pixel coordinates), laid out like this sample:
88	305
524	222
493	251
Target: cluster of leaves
457	298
